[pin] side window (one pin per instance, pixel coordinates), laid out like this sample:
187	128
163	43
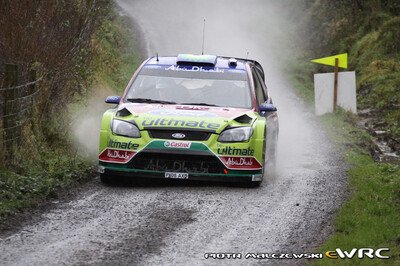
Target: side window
258	88
262	82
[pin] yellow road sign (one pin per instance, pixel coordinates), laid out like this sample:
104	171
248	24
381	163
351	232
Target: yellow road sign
330	60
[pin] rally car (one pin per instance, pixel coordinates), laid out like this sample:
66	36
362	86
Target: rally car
196	117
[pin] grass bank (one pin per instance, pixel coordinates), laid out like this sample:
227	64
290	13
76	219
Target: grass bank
49	161
118	51
369	32
371	215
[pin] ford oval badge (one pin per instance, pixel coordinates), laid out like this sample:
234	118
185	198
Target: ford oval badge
178	136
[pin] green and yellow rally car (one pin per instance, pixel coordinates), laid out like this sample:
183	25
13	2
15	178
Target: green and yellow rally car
196	117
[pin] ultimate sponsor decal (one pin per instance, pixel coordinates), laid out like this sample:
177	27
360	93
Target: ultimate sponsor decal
116	156
235	151
179	123
123	145
241	163
177	144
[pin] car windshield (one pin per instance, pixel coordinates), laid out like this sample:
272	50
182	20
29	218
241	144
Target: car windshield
191	85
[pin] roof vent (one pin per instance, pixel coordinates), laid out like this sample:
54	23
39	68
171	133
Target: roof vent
196	60
232	62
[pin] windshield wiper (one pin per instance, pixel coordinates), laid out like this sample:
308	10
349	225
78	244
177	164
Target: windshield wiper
206	104
146	100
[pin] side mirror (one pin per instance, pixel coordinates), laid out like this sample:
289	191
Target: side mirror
113	99
267	107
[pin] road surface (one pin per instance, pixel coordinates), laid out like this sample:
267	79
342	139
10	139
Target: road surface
177	223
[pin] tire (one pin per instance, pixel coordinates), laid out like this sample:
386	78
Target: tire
270	163
252	184
105	179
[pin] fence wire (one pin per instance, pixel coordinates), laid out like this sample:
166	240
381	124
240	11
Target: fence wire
17	101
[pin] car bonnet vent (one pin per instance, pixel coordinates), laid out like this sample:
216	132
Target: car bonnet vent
196	60
244	119
123	112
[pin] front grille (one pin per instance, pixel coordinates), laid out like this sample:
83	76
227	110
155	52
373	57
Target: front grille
185	163
189	134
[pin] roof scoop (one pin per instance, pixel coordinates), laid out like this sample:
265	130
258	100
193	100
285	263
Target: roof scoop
196	60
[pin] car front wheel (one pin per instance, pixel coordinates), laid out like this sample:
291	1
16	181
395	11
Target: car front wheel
105	179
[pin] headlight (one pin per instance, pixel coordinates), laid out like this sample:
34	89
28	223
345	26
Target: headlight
124	128
238	134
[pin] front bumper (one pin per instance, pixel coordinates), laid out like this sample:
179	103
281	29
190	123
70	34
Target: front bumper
117	171
184	159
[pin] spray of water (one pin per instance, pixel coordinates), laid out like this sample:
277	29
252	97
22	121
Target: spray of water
86	122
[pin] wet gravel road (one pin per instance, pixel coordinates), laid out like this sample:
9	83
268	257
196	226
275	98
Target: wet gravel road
176	223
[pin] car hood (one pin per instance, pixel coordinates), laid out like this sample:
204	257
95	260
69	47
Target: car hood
184	116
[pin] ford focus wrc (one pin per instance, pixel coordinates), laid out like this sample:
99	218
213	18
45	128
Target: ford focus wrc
196	117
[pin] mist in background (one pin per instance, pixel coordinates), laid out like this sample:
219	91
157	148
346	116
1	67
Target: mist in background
233	28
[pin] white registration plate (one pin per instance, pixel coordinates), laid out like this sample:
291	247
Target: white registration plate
176	175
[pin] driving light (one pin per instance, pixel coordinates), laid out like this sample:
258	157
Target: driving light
124	128
238	134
